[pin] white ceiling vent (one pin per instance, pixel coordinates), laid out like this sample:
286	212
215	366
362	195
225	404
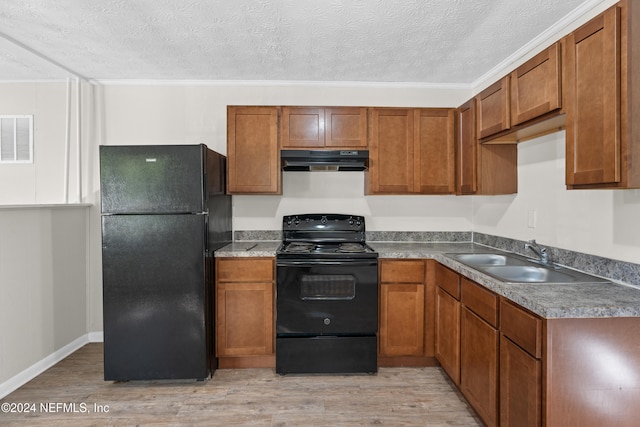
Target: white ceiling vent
16	139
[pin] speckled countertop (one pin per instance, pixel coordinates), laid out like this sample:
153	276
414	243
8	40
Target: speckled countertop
256	248
576	300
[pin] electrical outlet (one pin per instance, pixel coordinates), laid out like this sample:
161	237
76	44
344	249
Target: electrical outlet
532	218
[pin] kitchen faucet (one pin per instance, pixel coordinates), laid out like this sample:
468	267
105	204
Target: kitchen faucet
538	250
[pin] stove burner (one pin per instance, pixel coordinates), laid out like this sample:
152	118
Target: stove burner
300	247
351	248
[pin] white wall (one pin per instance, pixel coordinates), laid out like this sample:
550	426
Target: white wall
43	241
598	222
43	292
46	180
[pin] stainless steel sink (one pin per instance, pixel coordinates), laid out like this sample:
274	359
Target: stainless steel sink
513	268
529	274
489	259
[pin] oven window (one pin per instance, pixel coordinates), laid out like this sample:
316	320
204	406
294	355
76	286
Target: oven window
328	287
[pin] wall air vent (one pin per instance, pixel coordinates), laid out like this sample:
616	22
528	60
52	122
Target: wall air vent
16	139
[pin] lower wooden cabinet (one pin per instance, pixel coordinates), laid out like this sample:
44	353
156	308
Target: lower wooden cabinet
479	354
402	319
406	323
479	365
245	331
447	307
520	386
520	366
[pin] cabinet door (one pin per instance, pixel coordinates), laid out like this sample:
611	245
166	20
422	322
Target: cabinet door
593	101
434	157
479	365
448	334
244	319
535	86
402	320
391	151
493	108
466	182
253	160
302	127
520	386
346	127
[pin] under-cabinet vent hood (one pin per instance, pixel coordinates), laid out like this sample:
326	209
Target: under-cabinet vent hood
325	160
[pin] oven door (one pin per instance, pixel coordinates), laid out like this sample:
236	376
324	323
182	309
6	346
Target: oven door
327	297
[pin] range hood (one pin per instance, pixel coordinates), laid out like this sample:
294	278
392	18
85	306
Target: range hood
324	160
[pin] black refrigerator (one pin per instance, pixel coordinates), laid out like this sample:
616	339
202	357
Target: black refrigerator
164	213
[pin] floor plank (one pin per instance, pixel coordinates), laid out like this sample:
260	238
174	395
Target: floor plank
73	393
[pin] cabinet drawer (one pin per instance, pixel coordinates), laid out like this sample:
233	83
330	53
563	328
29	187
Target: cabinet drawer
404	271
521	327
448	280
481	301
245	270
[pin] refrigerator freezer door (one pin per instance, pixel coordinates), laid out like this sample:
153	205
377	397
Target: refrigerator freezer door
152	179
155	297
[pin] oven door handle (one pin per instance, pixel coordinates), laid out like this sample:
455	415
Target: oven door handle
307	263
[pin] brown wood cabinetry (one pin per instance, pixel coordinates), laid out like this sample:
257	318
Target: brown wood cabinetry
520	367
536	86
402	308
525	104
406	313
591	369
466	149
411	151
390	151
482	169
603	101
253	157
320	127
479	346
245	331
494	108
447	346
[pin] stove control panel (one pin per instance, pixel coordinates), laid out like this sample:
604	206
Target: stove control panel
326	222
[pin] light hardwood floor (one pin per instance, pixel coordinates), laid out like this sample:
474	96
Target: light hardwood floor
71	390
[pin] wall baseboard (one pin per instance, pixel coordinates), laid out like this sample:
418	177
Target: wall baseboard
96	336
37	368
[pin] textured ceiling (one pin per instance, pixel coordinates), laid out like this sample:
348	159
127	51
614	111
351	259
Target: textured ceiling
409	41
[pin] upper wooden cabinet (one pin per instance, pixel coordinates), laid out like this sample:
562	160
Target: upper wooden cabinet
493	111
536	86
482	169
411	151
466	146
524	104
319	127
252	151
603	101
